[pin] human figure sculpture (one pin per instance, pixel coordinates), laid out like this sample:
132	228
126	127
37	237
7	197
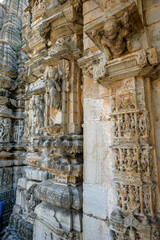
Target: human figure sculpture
38	114
52	79
53	87
115	36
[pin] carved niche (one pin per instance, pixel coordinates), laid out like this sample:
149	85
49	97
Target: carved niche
133	161
34	116
56	84
53	96
5	129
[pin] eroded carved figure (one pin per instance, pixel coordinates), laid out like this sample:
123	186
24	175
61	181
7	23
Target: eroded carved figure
5	176
18	130
38	6
31	200
53	87
53	95
114	38
5	129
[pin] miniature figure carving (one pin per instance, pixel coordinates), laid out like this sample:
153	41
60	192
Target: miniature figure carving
115	36
18	130
5	129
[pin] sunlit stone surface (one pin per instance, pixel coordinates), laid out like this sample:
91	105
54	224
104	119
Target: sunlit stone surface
79	106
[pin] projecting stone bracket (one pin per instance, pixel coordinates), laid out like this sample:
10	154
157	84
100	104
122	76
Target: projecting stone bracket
139	63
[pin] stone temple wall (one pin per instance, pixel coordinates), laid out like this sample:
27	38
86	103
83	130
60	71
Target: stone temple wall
12	60
80	108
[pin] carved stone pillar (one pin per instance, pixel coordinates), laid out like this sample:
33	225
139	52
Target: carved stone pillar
123	66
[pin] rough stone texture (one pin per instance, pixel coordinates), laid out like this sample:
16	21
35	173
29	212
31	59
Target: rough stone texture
80	64
11	102
119	142
51	132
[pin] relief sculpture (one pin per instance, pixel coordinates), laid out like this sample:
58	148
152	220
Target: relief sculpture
114	39
132	164
53	96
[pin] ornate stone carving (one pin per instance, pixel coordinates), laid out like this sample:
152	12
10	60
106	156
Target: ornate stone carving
18	130
66	44
59	195
34	116
38	8
133	164
130	125
53	87
5	129
27	17
5	177
19	228
115	38
53	97
31	200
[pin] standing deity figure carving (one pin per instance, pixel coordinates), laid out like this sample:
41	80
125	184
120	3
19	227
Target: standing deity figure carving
18	130
5	129
115	36
52	79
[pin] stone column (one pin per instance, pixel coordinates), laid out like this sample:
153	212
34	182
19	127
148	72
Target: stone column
124	166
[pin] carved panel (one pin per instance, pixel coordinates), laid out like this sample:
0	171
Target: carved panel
133	163
135	198
5	177
34	116
130	125
18	130
133	159
5	129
